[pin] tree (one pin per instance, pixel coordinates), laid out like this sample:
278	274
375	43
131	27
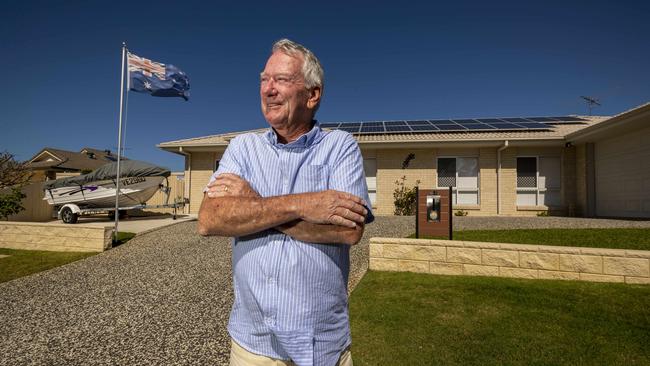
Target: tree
14	176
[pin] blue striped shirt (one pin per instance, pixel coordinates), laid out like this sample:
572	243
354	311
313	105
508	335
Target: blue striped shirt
290	296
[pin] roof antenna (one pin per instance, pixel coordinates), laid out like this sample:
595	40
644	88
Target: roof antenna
591	102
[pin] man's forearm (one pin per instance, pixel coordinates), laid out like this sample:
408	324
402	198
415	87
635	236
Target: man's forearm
322	233
238	216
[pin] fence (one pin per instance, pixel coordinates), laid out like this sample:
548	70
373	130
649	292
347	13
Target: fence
36	208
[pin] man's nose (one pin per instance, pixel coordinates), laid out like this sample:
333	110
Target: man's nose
268	88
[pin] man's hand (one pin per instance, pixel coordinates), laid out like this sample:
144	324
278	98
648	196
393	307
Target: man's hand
332	207
228	184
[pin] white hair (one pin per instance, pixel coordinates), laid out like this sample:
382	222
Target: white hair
312	71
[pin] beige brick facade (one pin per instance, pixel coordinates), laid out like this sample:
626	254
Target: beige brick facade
509	260
201	169
424	169
581	179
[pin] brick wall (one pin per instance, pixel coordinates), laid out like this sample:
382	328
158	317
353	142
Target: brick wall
55	237
509	260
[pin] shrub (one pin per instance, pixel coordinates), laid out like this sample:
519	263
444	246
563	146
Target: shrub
460	213
405	198
13	176
542	213
10	203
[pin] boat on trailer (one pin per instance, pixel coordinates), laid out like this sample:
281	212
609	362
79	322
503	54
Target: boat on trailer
96	191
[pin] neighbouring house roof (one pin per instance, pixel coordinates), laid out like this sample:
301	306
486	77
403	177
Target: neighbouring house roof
555	135
63	160
620	123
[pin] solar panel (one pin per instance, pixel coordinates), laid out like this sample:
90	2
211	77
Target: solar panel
369	129
490	120
424	128
349	129
441	122
534	125
542	119
418	123
570	119
506	126
478	126
404	128
515	120
455	127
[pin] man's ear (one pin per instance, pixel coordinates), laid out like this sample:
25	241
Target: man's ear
314	97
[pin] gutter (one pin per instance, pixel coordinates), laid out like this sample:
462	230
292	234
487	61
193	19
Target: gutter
505	146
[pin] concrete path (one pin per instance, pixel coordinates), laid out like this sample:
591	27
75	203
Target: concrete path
132	224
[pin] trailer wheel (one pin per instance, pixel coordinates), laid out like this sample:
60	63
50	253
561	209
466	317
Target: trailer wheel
68	216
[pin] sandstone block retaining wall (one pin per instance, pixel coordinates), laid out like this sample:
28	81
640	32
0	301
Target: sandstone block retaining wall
509	260
55	237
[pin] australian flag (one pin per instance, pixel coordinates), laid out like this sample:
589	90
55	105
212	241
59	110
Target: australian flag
159	80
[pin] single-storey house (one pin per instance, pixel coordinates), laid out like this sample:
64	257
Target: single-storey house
51	163
570	165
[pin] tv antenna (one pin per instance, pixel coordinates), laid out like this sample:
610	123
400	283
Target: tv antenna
591	102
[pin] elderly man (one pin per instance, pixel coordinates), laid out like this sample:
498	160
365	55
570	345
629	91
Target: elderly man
294	198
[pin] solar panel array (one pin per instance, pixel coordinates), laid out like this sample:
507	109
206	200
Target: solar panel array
454	125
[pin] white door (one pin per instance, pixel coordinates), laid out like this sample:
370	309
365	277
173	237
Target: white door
623	175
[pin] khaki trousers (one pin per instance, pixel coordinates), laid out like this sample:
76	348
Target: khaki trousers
241	357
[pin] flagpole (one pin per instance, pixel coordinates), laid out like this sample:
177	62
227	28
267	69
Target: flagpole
119	147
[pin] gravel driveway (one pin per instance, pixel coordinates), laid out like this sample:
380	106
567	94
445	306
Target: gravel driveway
163	298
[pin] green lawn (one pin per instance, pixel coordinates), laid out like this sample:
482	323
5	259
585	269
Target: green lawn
419	319
25	262
597	238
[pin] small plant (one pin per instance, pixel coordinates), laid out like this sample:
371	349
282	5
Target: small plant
405	198
542	213
460	213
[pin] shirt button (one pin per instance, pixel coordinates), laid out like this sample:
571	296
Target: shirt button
271	280
269	321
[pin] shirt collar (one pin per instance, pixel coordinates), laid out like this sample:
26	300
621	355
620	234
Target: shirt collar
306	140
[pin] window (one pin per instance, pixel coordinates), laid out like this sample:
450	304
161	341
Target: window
538	181
370	170
462	175
216	165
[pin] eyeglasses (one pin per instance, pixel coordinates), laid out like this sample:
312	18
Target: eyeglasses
279	79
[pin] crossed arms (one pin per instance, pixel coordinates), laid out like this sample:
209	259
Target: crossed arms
231	207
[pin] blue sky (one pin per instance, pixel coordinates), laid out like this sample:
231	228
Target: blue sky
383	61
